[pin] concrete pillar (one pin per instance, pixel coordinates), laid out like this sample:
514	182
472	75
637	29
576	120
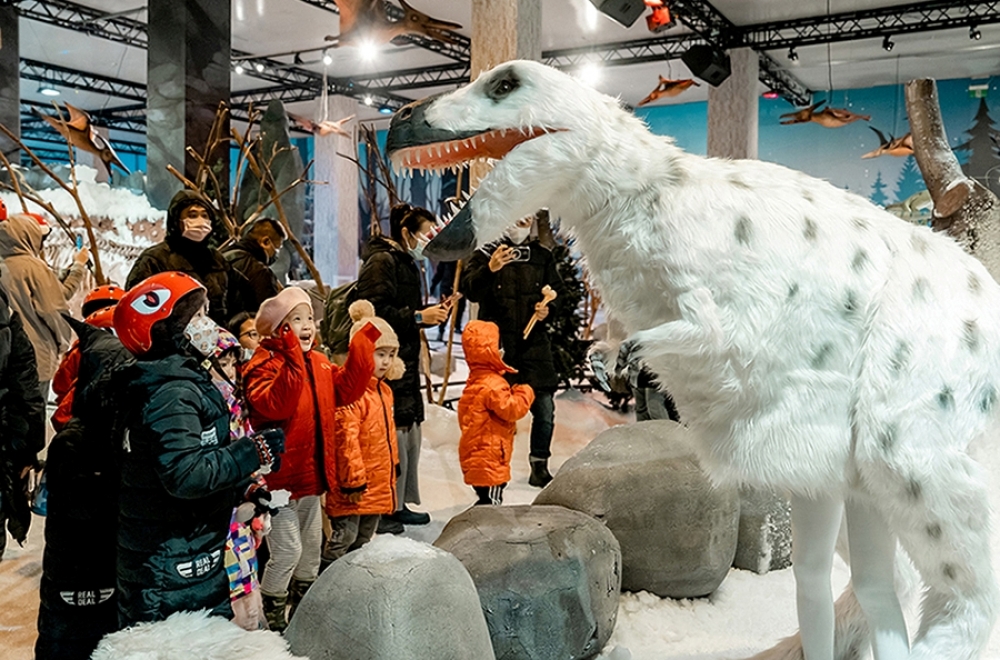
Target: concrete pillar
188	75
10	79
335	205
503	30
732	109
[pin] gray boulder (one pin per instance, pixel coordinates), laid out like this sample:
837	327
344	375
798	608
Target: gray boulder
765	541
677	531
548	578
394	598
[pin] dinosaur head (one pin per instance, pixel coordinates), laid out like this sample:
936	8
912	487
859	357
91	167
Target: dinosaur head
535	123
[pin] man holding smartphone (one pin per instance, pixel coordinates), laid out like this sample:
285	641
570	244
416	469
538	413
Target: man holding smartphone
506	279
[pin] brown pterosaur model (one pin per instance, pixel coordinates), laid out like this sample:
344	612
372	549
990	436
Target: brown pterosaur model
367	19
79	133
668	89
827	117
321	128
893	146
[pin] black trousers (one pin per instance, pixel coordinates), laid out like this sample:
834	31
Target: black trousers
490	494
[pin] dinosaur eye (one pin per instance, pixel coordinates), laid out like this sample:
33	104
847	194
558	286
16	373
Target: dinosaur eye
151	302
504	86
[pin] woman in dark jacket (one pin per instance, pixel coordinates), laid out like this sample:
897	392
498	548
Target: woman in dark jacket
181	474
391	279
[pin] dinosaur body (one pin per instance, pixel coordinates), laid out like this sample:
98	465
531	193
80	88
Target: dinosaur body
812	341
827	117
321	128
666	89
368	20
79	133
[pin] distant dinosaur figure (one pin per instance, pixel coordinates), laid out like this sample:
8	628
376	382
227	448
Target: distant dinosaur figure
79	133
321	128
668	88
367	19
901	146
827	117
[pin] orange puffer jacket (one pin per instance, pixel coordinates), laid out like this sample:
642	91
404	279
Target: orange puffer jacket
365	455
489	408
293	391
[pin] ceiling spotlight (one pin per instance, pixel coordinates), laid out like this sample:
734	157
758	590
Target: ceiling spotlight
259	67
974	33
239	69
47	90
887	44
368	99
368	50
327	58
589	74
385	110
771	94
792	55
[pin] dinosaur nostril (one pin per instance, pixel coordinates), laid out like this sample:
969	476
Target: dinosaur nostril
405	113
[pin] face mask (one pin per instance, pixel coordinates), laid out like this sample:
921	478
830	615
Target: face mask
418	252
247	354
203	334
518	234
197	233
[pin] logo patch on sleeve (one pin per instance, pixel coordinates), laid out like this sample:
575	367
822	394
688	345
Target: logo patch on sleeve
209	437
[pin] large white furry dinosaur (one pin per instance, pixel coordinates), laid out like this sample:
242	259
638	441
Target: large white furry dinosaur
811	340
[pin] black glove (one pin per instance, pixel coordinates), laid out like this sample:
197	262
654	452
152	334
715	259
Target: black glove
270	445
261	499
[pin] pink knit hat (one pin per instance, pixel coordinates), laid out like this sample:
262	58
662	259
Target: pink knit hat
274	310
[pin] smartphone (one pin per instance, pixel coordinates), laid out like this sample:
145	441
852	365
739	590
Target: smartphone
522	252
79	242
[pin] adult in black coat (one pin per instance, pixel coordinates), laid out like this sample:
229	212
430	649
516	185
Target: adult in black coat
190	218
252	255
181	473
506	279
78	591
391	280
22	420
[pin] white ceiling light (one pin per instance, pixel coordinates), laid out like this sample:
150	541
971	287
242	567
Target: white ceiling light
368	50
239	69
48	90
368	100
327	58
589	74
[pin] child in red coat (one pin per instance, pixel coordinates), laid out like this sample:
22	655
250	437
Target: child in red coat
488	412
361	466
294	388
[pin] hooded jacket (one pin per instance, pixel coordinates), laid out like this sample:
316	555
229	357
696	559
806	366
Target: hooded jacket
199	260
366	455
390	279
35	291
299	393
247	258
489	408
181	477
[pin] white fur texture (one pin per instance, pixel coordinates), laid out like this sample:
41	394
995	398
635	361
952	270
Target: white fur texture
192	636
811	340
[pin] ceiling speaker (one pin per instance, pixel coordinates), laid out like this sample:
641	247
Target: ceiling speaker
624	11
707	63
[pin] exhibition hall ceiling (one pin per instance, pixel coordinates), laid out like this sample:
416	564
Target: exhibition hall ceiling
276	28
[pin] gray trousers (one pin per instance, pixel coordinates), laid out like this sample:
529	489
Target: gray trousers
348	533
407	486
295	542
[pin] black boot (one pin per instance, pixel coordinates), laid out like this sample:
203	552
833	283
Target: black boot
386	525
408	517
296	591
274	612
540	476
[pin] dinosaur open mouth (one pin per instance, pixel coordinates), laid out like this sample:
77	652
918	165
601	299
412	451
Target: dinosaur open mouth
489	145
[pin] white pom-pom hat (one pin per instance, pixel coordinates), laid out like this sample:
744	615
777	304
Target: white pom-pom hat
362	313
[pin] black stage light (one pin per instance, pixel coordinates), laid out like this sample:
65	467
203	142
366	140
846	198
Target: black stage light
887	44
624	11
707	63
792	55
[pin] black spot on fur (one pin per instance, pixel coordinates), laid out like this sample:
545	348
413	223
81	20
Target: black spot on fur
988	400
901	356
919	243
949	571
946	398
859	223
808	196
822	356
859	261
743	231
934	531
887	437
851	304
739	183
921	287
970	335
810	231
793	290
975	286
913	489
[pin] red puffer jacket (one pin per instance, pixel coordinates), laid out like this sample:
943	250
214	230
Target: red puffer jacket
63	384
294	391
365	455
489	408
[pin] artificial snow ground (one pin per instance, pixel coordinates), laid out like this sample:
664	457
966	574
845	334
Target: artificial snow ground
747	614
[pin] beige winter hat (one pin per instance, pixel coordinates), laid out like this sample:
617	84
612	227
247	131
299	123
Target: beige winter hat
274	310
362	313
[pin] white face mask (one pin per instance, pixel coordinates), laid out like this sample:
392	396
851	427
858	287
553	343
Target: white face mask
196	229
203	334
518	234
418	252
247	354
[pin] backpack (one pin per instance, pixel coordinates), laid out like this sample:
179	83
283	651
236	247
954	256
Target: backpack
335	328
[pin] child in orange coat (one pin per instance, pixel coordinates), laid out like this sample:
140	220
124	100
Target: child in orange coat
362	459
488	412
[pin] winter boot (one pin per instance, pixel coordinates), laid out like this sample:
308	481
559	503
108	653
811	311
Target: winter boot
296	591
408	517
386	525
540	476
274	612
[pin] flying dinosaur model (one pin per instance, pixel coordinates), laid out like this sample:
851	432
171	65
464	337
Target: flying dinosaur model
894	146
667	89
362	20
827	117
79	133
812	342
321	128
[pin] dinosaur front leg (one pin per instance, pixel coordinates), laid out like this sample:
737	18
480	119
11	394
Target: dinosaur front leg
815	525
698	330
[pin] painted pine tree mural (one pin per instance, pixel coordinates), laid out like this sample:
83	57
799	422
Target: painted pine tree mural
982	160
910	181
878	195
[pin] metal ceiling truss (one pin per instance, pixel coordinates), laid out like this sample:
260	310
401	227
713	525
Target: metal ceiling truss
88	82
657	49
